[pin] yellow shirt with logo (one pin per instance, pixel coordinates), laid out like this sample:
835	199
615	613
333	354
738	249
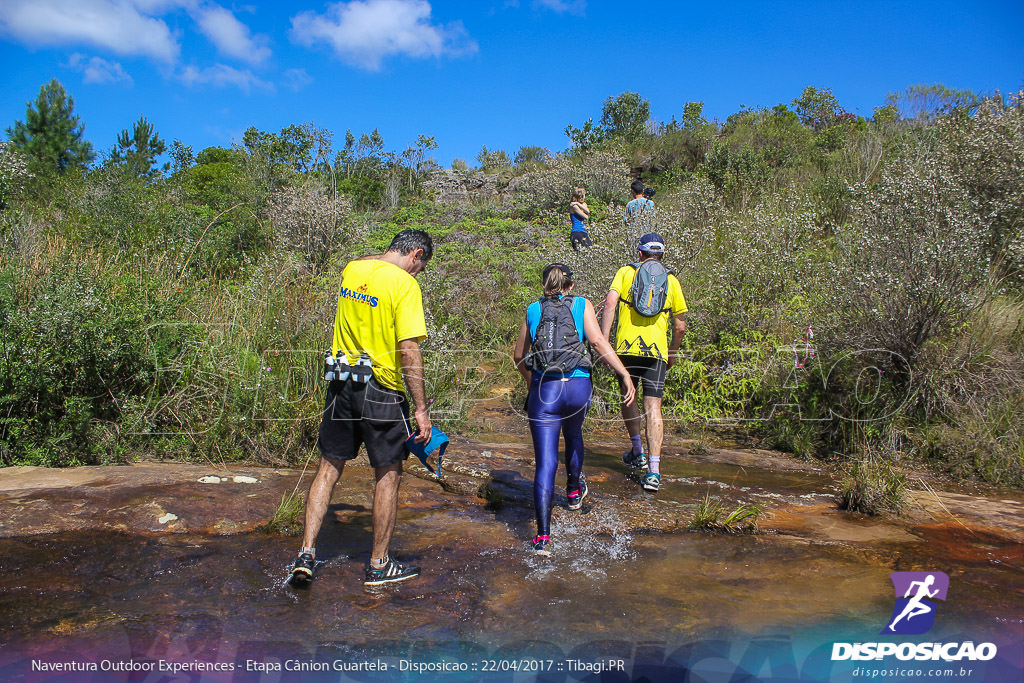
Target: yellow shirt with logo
379	305
637	335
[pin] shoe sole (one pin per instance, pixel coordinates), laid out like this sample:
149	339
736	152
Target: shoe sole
301	577
545	553
395	579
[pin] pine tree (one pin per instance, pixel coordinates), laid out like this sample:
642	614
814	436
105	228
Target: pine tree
52	136
138	149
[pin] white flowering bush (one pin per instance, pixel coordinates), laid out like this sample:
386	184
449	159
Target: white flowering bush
913	264
605	175
985	155
311	218
14	173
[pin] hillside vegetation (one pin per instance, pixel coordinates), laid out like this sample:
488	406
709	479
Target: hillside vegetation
183	311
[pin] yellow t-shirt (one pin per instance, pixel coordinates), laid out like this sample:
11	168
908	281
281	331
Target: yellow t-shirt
636	335
379	305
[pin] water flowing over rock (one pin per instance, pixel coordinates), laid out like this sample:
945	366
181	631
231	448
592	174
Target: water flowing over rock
150	556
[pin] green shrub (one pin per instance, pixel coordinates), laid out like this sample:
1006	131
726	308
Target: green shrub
985	444
73	351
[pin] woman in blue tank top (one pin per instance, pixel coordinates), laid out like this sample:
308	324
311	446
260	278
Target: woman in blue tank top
579	213
558	401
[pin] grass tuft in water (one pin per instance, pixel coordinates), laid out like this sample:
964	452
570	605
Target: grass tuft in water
711	515
873	485
287	519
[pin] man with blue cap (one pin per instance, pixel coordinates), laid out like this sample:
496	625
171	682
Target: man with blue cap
650	298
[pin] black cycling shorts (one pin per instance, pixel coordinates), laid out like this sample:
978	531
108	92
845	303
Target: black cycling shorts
648	373
364	412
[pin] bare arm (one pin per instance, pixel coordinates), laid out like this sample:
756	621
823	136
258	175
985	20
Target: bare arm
519	353
412	373
611	303
678	329
580	209
606	353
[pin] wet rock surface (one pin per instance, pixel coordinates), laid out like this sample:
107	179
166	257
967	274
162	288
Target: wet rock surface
170	555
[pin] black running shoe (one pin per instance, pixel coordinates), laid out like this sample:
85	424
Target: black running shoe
634	460
302	572
391	572
576	497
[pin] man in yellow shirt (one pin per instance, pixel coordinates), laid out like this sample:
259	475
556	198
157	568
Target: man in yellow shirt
377	332
645	297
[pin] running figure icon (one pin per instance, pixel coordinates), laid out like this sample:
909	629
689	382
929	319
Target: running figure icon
916	593
916	607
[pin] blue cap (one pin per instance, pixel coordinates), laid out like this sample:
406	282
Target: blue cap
438	442
652	243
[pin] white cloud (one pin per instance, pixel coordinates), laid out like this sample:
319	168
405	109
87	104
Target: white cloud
572	6
230	35
221	75
297	79
560	6
122	27
99	70
364	32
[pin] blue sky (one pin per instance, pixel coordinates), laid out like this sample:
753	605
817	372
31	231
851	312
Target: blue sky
492	72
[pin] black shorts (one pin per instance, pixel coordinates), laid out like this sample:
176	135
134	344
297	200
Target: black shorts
364	412
578	239
647	372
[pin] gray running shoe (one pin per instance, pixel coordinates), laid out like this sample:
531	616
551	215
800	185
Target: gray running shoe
652	481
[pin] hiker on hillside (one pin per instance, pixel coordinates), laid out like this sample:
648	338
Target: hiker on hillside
639	204
579	213
377	331
650	298
551	354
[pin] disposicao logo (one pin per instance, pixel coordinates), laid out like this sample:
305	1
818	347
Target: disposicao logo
913	614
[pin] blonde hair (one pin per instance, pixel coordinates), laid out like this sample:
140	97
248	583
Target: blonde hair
578	194
556	282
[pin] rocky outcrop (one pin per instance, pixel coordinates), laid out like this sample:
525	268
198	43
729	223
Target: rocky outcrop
459	187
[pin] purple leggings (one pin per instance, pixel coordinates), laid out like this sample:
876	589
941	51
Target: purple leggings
556	405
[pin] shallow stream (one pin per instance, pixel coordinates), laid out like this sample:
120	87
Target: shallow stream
86	575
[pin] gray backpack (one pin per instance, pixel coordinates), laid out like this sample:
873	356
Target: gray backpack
650	288
557	348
